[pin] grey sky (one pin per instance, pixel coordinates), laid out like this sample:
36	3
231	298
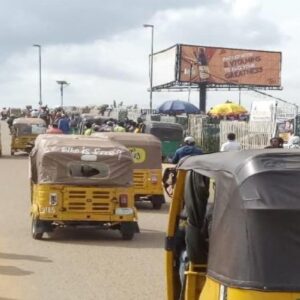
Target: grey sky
102	49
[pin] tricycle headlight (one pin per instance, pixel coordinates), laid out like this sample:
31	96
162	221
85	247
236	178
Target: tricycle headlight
53	199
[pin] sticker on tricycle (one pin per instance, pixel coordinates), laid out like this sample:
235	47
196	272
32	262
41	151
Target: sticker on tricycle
138	154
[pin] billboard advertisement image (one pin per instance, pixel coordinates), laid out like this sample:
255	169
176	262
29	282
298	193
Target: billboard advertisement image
229	66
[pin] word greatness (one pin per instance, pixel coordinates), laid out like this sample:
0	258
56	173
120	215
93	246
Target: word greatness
241	65
91	151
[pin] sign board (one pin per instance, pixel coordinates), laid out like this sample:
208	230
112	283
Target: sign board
225	65
183	65
262	111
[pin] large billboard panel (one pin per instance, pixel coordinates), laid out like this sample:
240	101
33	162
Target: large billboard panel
164	66
229	66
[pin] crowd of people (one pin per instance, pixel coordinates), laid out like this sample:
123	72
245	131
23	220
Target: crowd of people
60	122
112	125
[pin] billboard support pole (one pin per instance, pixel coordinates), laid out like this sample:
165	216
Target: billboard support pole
202	97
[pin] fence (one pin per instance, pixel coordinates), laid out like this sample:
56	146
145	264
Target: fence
206	132
251	135
210	134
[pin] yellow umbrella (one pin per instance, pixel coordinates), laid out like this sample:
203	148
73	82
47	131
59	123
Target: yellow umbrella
227	108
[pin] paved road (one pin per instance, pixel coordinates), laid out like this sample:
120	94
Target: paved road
73	264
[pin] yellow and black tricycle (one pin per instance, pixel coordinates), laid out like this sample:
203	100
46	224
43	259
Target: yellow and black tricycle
24	132
77	182
234	227
147	168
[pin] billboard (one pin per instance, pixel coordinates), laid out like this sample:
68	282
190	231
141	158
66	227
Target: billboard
164	66
213	65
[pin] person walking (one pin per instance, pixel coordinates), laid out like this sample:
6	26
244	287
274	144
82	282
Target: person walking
63	124
119	127
88	131
294	142
189	148
275	142
231	144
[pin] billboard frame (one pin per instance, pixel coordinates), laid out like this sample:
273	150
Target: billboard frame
184	86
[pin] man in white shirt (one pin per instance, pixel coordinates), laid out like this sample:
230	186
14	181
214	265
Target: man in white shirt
231	144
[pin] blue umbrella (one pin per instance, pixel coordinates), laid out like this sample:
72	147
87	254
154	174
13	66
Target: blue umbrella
177	106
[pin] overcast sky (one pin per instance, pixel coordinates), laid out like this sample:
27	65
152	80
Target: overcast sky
101	48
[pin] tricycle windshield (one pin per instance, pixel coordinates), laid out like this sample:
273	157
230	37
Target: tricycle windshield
29	129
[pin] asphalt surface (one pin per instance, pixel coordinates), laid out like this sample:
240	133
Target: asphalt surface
73	264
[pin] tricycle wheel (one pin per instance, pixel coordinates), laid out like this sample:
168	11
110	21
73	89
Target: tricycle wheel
12	152
36	229
128	229
157	202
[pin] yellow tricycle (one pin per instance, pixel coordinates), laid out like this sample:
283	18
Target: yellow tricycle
234	227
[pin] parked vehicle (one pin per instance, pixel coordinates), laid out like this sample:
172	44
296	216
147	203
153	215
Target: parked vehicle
24	132
170	135
75	181
147	168
233	230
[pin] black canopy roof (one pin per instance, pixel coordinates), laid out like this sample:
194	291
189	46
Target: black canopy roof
255	234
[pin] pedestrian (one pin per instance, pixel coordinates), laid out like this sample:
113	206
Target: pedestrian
294	142
88	130
189	148
53	129
231	144
64	124
119	127
275	142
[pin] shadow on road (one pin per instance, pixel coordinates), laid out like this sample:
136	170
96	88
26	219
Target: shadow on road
107	238
1	298
13	271
13	157
14	256
146	207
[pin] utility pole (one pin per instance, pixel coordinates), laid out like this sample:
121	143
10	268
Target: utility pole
62	83
40	71
151	61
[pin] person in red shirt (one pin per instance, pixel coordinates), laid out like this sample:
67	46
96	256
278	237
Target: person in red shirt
54	129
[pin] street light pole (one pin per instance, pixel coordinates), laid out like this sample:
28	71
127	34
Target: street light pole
151	61
40	71
62	83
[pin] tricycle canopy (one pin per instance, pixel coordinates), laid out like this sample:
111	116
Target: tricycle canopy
80	160
254	240
145	148
29	126
165	131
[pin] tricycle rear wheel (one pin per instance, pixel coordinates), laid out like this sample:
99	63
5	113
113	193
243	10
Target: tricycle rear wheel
127	229
157	201
36	229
